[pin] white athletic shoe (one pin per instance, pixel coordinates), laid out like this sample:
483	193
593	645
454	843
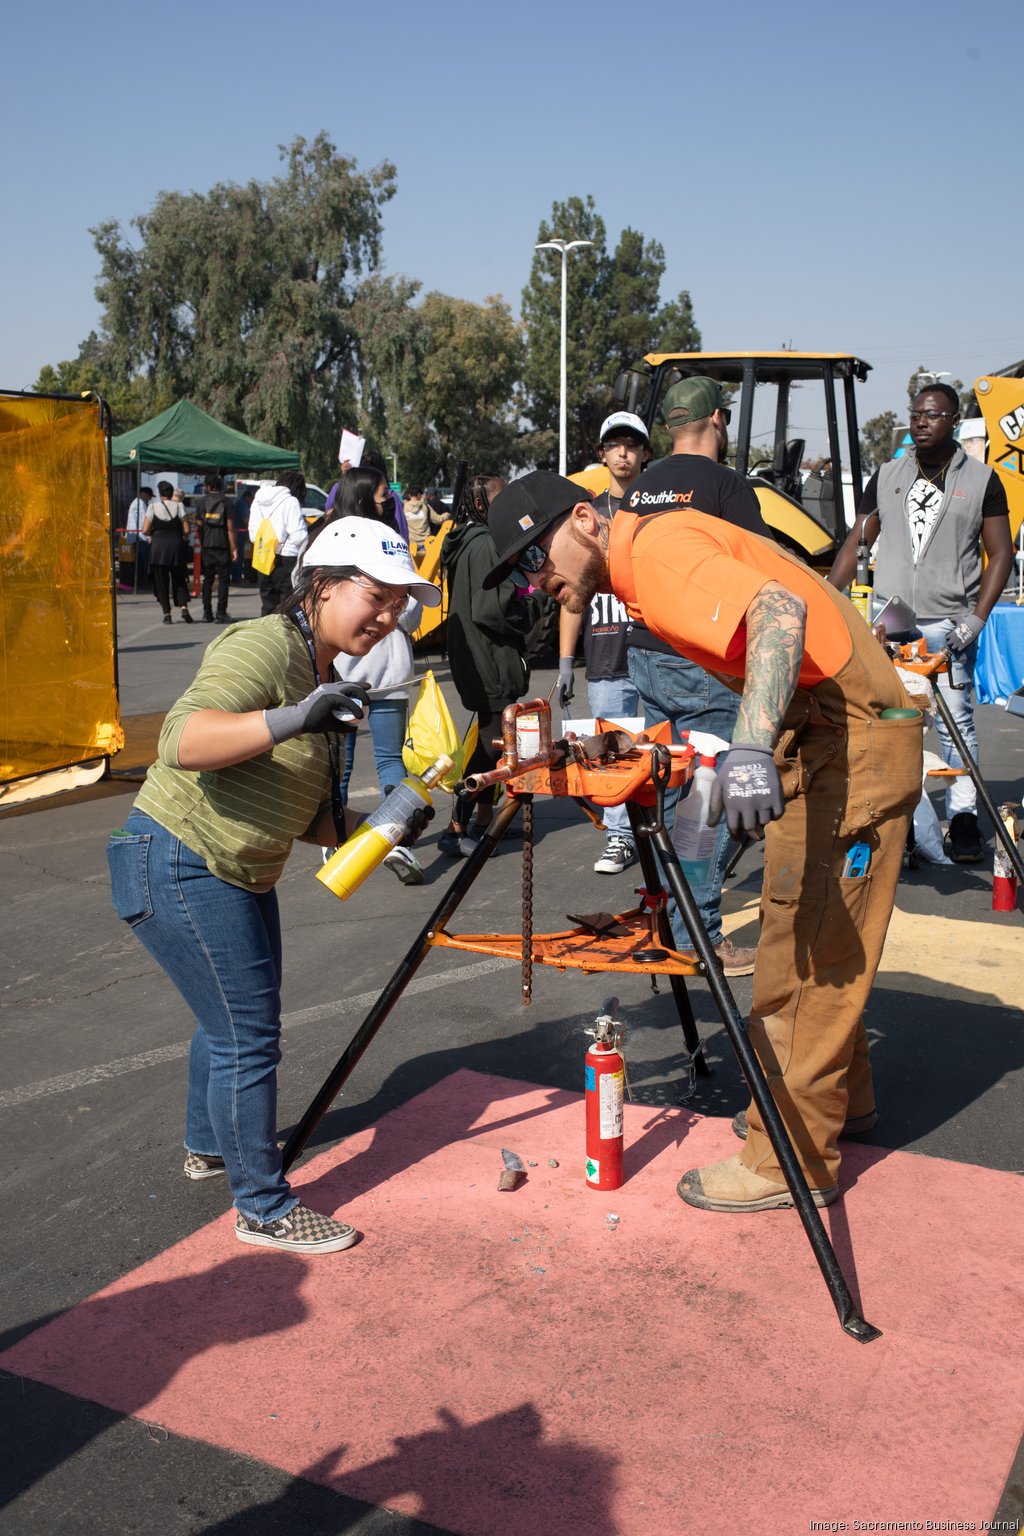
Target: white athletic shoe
401	863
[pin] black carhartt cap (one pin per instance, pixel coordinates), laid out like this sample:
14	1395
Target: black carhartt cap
521	513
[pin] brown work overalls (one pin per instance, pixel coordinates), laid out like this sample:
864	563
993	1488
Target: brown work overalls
848	777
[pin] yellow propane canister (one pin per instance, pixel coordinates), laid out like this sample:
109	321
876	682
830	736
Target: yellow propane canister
860	597
382	831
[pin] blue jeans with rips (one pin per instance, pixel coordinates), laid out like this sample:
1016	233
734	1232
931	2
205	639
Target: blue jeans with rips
961	794
221	947
674	689
388	718
613	698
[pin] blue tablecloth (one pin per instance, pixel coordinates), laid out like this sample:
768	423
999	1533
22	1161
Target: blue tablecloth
1000	665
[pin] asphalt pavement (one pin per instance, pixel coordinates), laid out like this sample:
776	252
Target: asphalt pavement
95	1041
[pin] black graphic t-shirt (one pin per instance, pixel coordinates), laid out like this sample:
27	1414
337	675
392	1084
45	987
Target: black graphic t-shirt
606	624
924	500
691	482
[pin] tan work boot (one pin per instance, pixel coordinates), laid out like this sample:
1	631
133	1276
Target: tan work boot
735	962
731	1186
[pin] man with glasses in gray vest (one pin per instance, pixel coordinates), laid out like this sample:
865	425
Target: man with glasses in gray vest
932	512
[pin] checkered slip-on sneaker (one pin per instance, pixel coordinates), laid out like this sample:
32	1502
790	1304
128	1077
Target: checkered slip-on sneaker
200	1166
302	1230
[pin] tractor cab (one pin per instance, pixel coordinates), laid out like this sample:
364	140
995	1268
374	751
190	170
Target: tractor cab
781	400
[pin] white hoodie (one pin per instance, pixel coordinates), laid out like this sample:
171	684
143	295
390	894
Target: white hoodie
283	510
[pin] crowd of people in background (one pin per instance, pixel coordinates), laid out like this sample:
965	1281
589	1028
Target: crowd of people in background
164	531
785	696
629	673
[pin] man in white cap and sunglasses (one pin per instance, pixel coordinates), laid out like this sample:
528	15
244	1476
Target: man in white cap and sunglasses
624	449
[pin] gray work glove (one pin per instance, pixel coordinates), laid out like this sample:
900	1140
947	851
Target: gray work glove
964	633
330	707
566	680
748	789
420	819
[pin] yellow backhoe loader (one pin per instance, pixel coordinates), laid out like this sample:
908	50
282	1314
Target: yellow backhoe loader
1001	399
806	513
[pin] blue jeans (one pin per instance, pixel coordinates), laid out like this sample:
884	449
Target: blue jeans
672	688
388	719
613	698
221	947
961	794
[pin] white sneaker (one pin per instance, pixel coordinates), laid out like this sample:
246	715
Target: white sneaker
401	863
618	855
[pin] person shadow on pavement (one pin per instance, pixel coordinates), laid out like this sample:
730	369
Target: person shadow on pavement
499	1474
122	1350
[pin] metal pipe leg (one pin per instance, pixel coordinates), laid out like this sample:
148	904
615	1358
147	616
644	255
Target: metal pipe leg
406	970
735	1028
956	735
653	883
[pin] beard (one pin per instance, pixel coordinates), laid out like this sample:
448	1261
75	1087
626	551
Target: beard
577	597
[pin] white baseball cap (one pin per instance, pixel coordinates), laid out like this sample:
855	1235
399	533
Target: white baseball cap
624	421
974	426
374	549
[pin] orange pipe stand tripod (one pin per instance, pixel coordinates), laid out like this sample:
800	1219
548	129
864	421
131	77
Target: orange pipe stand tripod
612	768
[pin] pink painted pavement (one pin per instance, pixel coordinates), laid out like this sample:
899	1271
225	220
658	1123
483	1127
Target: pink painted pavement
518	1364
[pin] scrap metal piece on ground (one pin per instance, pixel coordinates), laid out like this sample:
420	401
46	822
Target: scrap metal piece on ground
513	1174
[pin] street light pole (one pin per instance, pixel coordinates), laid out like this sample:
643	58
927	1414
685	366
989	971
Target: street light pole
564	246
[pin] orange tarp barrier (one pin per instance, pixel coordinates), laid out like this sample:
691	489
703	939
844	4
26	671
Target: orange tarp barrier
58	690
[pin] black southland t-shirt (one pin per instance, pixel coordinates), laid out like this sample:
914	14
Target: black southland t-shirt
606	624
691	482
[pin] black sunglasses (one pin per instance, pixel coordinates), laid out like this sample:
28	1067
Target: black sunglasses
530	560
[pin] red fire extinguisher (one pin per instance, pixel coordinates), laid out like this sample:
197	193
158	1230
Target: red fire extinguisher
604	1082
1004	878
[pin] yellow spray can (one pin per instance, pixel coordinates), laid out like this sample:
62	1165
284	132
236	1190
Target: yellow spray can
383	830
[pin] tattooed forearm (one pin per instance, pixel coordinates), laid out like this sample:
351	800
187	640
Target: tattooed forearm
776	621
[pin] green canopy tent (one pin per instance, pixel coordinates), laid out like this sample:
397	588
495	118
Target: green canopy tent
184	437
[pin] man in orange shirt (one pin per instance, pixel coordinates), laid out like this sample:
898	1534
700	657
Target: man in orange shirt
813	739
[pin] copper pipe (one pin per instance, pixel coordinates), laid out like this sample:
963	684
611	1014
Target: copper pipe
510	714
506	771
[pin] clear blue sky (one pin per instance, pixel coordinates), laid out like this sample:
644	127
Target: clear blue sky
835	177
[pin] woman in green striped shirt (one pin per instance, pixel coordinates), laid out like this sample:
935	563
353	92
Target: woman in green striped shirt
247	762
